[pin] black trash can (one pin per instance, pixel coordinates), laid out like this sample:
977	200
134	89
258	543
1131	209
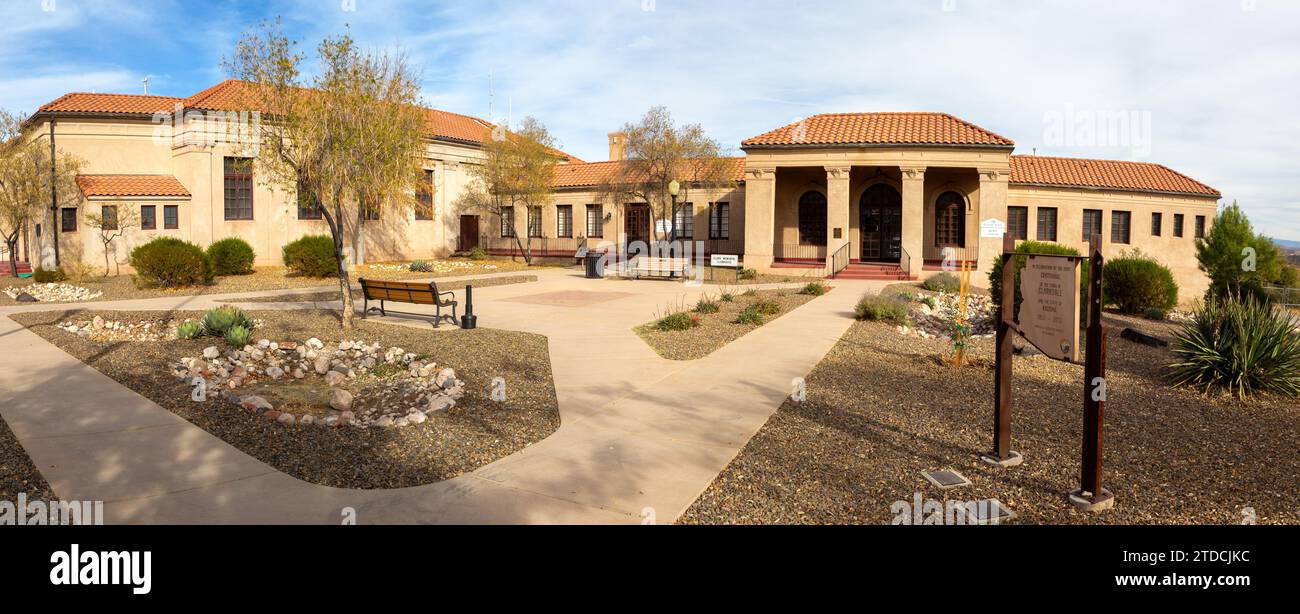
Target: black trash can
595	266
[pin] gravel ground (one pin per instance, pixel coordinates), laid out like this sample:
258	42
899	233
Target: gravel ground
18	474
475	432
269	278
715	329
727	277
881	409
321	297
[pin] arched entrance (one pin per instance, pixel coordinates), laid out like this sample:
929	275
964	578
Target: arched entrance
882	224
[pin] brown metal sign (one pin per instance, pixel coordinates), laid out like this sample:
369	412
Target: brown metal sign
1049	316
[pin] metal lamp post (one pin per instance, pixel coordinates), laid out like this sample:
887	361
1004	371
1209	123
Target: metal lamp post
674	189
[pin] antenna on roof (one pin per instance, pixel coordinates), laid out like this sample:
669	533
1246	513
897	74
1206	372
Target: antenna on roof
146	86
1035	152
491	95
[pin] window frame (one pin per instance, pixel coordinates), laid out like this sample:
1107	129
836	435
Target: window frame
424	199
64	218
1157	223
1039	223
306	213
1180	225
684	224
1117	227
150	221
1198	231
242	185
175	222
104	216
720	224
564	221
1013	211
535	223
599	231
1098	214
508	222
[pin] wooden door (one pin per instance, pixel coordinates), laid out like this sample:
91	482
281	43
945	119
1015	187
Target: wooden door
468	233
636	223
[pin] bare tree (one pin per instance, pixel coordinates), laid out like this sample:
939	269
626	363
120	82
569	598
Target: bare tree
658	152
111	223
353	134
517	172
25	180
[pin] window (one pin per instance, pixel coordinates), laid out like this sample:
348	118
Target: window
1178	224
684	224
1157	223
424	198
371	212
308	206
950	220
1200	226
812	218
507	222
148	217
1018	222
109	215
720	221
534	222
1046	223
564	221
1091	224
595	220
1120	226
171	217
239	188
68	219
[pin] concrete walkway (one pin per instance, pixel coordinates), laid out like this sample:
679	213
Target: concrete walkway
640	435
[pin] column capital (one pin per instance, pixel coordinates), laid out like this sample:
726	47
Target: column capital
915	173
760	173
994	174
838	172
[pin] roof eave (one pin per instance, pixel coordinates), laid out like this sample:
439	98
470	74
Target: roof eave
1216	195
747	148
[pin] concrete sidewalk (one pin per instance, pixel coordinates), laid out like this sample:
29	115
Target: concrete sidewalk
639	435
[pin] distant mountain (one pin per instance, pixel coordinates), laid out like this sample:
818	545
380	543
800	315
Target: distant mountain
1288	245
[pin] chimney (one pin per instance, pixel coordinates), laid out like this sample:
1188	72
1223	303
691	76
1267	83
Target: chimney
616	144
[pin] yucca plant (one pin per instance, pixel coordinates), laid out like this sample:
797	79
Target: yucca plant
1242	346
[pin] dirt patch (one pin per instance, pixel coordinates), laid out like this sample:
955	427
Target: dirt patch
474	432
880	410
715	329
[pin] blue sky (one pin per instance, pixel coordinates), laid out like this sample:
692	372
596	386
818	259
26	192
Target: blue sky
1211	88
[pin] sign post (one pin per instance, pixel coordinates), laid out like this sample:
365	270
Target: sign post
1002	455
1091	497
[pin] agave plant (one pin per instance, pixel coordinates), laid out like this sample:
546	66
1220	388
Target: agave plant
217	322
1243	346
189	330
238	336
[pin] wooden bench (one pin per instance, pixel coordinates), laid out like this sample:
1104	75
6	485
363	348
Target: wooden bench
415	293
647	266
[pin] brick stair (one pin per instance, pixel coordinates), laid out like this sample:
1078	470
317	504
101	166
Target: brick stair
874	271
23	267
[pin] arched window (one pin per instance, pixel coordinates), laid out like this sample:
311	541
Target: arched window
812	218
950	220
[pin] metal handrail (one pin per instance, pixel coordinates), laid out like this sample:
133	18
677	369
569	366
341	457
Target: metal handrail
839	260
905	261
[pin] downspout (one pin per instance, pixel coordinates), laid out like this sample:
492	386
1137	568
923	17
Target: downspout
54	197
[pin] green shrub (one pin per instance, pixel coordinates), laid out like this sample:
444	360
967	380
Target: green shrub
48	276
748	274
387	369
167	262
814	288
706	306
217	322
767	306
312	256
750	315
874	307
189	330
238	336
906	297
420	266
726	297
1034	247
1240	346
232	256
477	254
677	321
1221	255
1135	284
943	282
930	302
1153	313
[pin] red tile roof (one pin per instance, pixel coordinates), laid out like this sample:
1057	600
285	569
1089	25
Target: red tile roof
82	102
131	185
1112	174
879	129
591	174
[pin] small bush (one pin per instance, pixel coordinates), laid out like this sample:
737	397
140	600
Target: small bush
1135	284
814	288
767	307
189	330
386	370
48	276
312	256
750	292
477	254
238	336
706	306
420	266
878	308
1153	313
217	322
167	262
750	315
726	297
930	302
677	321
748	274
1240	346
1034	247
943	282
232	256
906	297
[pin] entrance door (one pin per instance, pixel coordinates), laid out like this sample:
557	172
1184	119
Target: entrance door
882	224
468	233
636	223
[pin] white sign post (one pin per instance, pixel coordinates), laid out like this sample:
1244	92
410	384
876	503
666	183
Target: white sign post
724	260
992	228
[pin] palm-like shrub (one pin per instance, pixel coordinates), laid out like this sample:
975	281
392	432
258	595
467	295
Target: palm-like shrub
1240	346
231	256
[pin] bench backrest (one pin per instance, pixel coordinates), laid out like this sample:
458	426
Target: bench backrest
419	293
648	263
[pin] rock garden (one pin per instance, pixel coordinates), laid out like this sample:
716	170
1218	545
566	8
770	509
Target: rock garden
382	406
688	332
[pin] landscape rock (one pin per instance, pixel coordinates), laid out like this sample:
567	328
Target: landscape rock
340	399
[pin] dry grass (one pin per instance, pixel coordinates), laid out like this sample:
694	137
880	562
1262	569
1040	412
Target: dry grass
715	330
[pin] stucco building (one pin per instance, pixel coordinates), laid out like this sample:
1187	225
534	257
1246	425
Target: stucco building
873	194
